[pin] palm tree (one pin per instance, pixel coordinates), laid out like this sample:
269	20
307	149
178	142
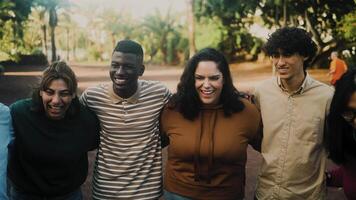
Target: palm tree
68	27
53	21
39	16
158	27
51	6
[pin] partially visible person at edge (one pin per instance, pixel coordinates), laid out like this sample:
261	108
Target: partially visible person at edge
52	134
341	136
208	127
337	67
5	134
129	160
293	107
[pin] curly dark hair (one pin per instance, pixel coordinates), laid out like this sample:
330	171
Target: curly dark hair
187	100
291	40
338	139
57	70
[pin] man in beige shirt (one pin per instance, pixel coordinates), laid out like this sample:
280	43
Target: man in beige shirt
293	107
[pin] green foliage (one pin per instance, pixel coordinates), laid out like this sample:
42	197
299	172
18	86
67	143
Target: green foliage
162	35
9	42
234	17
16	11
95	54
208	33
119	25
13	14
347	26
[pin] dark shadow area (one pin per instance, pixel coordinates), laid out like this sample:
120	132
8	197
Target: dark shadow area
15	87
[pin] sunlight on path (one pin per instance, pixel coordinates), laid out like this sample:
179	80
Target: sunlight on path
35	73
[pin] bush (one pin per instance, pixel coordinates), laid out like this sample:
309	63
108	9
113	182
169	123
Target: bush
34	59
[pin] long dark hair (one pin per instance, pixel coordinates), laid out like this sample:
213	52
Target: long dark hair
57	70
187	101
338	130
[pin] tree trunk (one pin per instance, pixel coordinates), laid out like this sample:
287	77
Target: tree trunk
315	33
191	28
68	48
53	44
53	23
74	46
44	39
285	14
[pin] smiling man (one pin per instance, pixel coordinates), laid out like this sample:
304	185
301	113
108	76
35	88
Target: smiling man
129	160
293	108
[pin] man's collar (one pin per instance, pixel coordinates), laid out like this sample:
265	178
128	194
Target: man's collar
300	90
117	99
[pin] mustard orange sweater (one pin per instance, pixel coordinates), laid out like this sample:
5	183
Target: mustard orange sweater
207	156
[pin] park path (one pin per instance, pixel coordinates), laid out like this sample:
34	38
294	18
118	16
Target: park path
17	83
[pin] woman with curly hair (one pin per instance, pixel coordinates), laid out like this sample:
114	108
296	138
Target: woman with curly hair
341	135
208	127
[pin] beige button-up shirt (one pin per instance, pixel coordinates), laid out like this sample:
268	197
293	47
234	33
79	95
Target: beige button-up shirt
294	159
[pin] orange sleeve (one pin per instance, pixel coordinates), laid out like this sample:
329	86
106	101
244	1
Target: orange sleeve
332	66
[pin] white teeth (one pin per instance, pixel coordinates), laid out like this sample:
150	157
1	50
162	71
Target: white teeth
117	80
207	91
55	107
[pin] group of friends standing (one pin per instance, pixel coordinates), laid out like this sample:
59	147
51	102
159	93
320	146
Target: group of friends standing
294	121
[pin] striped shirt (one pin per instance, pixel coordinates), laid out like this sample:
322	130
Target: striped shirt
129	159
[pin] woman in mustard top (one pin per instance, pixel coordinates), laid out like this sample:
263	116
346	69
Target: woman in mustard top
207	125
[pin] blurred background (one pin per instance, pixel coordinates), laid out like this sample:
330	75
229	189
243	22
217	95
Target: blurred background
34	33
85	31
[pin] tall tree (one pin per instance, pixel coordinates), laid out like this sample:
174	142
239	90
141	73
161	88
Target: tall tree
51	7
158	28
118	25
39	17
68	28
13	14
320	18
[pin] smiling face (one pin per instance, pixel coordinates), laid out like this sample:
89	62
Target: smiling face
208	82
289	67
124	72
56	99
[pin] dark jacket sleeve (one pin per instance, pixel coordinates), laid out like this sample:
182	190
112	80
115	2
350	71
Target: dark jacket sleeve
334	177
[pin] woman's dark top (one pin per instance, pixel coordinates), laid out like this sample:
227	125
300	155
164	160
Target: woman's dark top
49	157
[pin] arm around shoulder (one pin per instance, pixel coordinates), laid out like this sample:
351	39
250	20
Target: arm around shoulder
257	130
93	127
162	127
